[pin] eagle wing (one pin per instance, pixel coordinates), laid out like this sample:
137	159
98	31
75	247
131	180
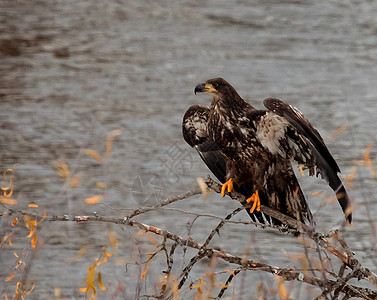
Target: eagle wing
294	135
194	129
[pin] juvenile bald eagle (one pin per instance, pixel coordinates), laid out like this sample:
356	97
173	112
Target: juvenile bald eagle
252	150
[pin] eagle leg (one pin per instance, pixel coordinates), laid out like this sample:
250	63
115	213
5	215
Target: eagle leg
256	200
227	186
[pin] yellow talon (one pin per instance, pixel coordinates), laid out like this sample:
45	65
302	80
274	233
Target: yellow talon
227	185
256	200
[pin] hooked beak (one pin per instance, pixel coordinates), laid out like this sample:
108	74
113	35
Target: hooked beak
204	88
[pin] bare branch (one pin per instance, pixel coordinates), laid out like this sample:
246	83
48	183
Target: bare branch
328	286
286	274
345	256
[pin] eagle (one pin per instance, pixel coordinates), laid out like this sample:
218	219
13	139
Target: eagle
252	151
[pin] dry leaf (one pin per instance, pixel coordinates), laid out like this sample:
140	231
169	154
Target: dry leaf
301	170
101	184
44	215
231	272
90	280
94	154
109	141
14	222
113	241
62	168
144	273
8	201
100	283
94	199
34	240
223	285
282	290
78	255
317	193
336	132
10	277
75	181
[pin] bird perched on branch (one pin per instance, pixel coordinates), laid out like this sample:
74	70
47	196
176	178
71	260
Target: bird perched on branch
252	150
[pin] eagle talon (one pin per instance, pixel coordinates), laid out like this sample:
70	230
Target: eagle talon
256	202
227	186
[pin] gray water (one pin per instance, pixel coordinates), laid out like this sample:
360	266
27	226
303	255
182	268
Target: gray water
72	71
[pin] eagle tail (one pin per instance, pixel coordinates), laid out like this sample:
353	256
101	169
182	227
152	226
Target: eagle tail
287	199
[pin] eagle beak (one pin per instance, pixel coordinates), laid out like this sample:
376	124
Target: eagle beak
204	88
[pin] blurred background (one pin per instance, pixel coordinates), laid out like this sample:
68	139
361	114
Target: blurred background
72	72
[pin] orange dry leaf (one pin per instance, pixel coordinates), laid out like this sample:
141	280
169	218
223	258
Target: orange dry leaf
195	286
30	224
44	215
32	230
369	162
107	253
90	278
10	186
260	286
332	199
78	255
175	289
32	288
366	156
19	263
57	293
75	181
18	287
350	178
32	205
144	273
100	184
301	170
93	200
10	277
231	272
14	221
109	141
10	239
295	193
199	285
336	132
317	193
7	201
94	154
62	168
105	256
34	240
100	283
223	285
113	241
3	241
282	290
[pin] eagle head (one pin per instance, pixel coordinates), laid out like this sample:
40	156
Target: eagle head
214	85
